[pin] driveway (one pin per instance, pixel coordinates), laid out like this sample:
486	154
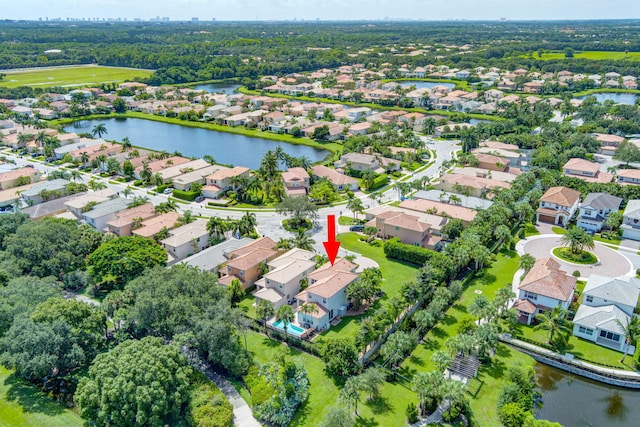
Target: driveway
612	263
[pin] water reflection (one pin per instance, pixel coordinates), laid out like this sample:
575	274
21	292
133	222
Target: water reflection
618	98
577	402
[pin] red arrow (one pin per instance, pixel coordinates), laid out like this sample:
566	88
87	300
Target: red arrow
331	246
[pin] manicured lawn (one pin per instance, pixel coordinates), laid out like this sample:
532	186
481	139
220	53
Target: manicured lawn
598	237
323	391
584	257
592	54
247	304
582	349
530	230
394	273
484	390
23	405
71	76
559	230
348	220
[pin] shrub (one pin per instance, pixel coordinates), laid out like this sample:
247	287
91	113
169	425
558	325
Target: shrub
511	415
138	183
451	414
412	413
576	273
258	387
161	188
378	181
208	407
189	196
394	248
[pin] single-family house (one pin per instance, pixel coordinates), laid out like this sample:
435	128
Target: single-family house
628	176
558	205
84	202
154	225
282	282
187	240
543	288
595	209
21	176
246	263
223	180
102	213
296	181
631	220
51	189
466	215
609	142
491	162
585	170
607	305
340	181
126	220
410	229
327	293
197	176
211	258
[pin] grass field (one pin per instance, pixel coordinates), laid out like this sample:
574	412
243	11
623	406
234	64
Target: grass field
23	405
594	55
70	76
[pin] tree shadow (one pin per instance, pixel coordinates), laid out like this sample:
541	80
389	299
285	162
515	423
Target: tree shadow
416	360
438	333
431	344
460	308
379	405
366	422
30	398
486	279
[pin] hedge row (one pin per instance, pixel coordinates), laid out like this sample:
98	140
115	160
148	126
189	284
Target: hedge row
185	195
378	181
394	248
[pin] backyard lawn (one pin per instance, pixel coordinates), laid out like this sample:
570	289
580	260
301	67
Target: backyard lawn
70	76
23	405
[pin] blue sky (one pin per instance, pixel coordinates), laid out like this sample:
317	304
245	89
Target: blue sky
325	9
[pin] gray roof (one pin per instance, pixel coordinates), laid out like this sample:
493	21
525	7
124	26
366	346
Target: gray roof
212	257
603	317
622	290
465	201
53	185
633	209
107	208
598	201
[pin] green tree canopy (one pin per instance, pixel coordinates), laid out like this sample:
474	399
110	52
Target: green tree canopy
121	259
137	383
340	356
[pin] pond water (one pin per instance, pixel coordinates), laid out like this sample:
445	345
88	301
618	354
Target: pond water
578	402
226	148
227	88
421	85
618	98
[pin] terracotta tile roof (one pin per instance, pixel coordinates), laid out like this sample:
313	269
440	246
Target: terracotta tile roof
228	173
582	165
330	285
525	306
546	279
152	226
562	196
252	258
442	209
408	222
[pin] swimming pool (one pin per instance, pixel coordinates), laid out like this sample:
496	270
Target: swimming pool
291	329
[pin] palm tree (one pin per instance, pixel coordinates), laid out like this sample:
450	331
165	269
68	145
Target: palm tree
216	227
127	192
285	244
442	360
40	139
479	307
303	241
428	386
308	309
138	201
350	392
74	175
157	179
265	311
165	207
527	262
555	322
305	162
247	223
96	185
84	157
355	206
99	129
146	172
209	159
23	138
101	159
577	239
631	332
285	315
126	144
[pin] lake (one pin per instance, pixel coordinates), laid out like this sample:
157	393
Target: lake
618	98
227	88
578	402
226	148
421	85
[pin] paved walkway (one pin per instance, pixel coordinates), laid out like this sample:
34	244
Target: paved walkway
611	263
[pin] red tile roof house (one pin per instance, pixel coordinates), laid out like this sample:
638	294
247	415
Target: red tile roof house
339	181
558	205
466	215
296	181
244	263
410	229
219	182
544	287
10	178
327	292
628	176
609	142
491	162
586	171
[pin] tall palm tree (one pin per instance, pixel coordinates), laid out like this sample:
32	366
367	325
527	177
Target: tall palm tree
138	201
41	138
479	307
265	311
146	172
126	144
127	192
577	239
285	315
23	138
209	159
442	360
527	261
304	162
74	175
248	223
556	323
308	309
285	244
631	331
216	227
99	130
355	206
84	157
428	386
303	241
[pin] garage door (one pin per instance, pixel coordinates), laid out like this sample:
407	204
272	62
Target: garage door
630	233
547	218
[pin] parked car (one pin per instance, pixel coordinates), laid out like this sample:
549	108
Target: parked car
168	190
199	199
358	228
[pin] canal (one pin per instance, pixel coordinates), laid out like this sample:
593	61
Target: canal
226	148
578	402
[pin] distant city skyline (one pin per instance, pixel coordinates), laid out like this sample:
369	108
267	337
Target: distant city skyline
251	10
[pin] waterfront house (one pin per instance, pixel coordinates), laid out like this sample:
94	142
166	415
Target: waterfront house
296	181
543	288
558	205
607	304
595	209
222	180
